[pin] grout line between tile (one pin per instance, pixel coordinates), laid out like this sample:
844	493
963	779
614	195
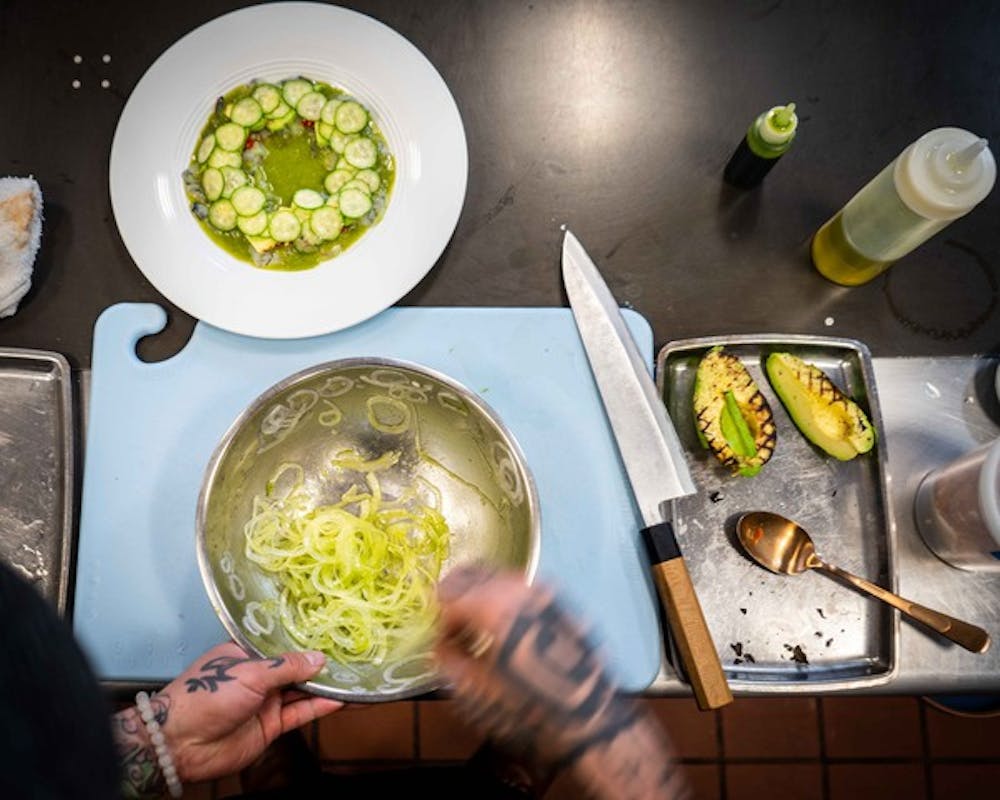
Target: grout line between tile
720	742
925	744
364	765
824	767
416	730
846	760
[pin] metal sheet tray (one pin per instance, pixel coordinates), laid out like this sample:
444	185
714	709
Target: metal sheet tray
779	633
36	469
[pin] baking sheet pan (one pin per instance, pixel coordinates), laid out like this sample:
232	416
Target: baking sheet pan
36	469
783	633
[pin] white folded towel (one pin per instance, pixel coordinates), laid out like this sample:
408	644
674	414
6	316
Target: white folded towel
20	235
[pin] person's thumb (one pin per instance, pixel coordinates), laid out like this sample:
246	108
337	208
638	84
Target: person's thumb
292	667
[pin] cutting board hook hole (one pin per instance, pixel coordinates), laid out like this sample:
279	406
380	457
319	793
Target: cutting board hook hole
166	343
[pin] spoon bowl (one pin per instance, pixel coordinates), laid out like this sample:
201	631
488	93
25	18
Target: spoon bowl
785	547
776	543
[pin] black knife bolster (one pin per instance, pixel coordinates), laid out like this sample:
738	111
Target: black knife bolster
661	544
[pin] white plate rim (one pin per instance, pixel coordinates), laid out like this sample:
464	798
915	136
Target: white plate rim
407	96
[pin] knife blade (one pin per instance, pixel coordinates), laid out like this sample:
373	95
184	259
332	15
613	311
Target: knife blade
653	459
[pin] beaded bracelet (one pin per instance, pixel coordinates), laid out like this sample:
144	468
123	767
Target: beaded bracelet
163	757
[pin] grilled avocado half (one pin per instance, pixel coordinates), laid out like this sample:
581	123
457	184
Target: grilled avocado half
733	418
825	415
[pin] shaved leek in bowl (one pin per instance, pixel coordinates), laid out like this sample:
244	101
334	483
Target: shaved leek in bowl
356	577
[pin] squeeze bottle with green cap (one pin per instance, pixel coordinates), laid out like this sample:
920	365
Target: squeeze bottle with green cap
940	177
767	140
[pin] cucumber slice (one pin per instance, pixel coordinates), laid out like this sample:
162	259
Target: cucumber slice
308	237
327	115
326	223
357	183
284	226
253	226
280	110
205	148
335	180
333	201
361	153
354	203
324	129
350	117
292	91
339	140
222	215
307	198
247	112
212	182
232	179
248	200
281	122
321	140
370	178
310	105
231	136
268	96
223	158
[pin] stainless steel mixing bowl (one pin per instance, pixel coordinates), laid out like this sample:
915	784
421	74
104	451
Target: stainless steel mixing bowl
447	438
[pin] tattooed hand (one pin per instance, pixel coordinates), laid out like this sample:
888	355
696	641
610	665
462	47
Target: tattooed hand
526	675
219	715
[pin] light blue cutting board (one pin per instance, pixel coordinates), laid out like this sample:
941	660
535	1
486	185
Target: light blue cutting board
141	610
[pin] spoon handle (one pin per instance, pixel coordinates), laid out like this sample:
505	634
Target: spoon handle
968	636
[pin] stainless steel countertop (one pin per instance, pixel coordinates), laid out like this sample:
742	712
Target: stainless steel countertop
933	409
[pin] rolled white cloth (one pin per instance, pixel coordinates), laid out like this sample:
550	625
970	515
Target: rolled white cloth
20	235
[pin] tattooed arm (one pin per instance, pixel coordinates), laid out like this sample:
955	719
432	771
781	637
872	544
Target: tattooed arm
526	676
218	716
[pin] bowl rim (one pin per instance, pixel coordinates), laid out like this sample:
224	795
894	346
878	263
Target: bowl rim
222	449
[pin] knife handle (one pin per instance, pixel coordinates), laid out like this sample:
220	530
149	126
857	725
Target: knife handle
689	630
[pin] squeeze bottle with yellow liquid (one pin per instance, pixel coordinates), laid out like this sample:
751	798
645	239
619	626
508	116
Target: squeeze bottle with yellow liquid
940	177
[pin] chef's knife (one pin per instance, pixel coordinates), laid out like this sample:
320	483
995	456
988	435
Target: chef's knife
653	459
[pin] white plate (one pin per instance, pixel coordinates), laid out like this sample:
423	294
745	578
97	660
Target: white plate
159	128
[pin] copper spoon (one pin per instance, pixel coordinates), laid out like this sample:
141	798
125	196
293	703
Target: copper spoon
784	547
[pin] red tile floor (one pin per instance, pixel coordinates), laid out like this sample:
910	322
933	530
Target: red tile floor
791	748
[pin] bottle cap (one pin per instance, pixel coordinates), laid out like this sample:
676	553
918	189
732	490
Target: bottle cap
779	124
945	173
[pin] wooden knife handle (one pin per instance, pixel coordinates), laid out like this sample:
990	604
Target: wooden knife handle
688	629
690	633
